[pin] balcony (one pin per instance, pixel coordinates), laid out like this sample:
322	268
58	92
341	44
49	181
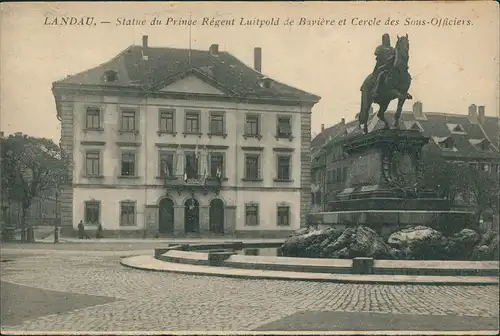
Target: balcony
193	184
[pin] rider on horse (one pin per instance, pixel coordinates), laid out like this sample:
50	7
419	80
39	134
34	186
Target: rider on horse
385	54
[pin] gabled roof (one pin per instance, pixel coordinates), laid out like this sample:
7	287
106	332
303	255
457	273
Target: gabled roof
437	126
327	135
491	127
165	65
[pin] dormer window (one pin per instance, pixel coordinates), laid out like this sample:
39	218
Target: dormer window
413	126
485	145
110	76
265	83
456	128
480	144
448	143
445	143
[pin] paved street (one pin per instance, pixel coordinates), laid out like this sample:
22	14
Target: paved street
88	290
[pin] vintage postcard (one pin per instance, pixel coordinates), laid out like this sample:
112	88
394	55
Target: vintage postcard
247	168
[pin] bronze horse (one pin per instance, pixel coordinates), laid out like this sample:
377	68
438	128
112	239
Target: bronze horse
396	84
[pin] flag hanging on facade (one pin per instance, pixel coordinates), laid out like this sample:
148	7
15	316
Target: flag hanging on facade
219	174
205	171
166	171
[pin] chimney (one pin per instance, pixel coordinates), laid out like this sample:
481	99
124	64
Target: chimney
257	59
480	114
322	127
418	109
145	41
214	49
342	121
473	110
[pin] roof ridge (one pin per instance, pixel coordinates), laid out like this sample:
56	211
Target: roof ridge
176	48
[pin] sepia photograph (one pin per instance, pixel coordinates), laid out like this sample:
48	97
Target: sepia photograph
250	168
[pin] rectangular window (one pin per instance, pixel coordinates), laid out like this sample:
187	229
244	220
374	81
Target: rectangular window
283	168
128	120
167	121
92	212
251	215
93	118
216	165
283	215
192	122
284	127
127	214
339	175
191	165
166	164
344	174
252	125
92	164
217	124
252	167
128	164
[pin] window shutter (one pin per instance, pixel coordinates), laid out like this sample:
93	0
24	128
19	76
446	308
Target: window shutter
258	167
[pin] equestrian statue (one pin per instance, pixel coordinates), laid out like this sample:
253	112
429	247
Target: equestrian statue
389	80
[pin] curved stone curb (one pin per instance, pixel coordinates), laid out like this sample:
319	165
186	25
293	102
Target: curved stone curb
149	263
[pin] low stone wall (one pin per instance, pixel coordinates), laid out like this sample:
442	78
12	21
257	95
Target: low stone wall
224	255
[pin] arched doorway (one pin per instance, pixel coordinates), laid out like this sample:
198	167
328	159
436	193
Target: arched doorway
191	215
166	216
217	216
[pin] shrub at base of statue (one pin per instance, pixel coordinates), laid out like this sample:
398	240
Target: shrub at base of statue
415	243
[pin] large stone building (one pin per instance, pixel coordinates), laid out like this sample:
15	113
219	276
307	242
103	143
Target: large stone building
178	141
471	138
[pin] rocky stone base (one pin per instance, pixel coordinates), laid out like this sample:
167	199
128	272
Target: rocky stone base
414	243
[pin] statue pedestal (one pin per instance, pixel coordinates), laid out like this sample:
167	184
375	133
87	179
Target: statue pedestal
386	173
383	188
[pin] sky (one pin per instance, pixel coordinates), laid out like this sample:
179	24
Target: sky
452	66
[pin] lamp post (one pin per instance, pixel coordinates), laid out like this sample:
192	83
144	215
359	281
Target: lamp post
56	224
60	180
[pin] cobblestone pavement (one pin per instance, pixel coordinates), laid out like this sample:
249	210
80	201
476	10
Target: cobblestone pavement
165	301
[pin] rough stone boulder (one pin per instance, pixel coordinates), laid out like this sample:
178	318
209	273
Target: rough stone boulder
461	244
487	248
420	242
359	241
306	245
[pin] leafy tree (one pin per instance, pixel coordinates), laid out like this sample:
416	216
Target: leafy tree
31	167
452	179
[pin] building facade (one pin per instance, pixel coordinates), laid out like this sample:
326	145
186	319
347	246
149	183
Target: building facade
471	138
176	141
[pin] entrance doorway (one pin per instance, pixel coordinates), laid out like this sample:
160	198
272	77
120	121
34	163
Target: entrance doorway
191	216
217	216
166	216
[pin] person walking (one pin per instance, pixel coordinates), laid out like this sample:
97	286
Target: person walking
81	230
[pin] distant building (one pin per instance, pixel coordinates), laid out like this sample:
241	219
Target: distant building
177	141
471	138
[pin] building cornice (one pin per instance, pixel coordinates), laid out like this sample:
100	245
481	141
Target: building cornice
59	90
